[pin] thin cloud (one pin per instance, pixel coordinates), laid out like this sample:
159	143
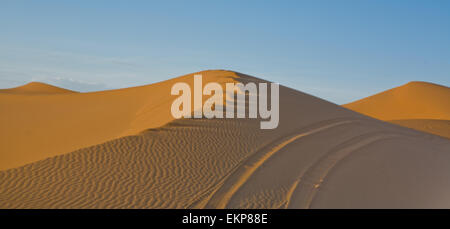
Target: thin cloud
72	84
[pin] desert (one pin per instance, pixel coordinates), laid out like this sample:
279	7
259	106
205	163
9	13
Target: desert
123	149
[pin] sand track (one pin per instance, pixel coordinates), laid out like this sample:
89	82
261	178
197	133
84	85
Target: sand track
305	189
245	170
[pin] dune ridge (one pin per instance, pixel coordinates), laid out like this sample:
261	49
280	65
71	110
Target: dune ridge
320	156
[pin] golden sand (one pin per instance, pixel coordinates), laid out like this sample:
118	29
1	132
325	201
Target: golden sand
418	105
122	149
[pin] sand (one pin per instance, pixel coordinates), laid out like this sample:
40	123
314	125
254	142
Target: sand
417	105
55	123
36	88
122	149
433	126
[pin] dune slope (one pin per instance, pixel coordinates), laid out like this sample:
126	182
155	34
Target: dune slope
37	126
433	126
418	105
320	156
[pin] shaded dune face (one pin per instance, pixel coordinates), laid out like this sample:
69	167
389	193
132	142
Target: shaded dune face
320	156
417	105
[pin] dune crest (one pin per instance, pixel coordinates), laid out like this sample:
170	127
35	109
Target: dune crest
320	156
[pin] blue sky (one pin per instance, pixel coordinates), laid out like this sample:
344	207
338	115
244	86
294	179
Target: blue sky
336	50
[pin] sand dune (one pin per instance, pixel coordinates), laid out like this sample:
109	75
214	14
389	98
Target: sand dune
418	105
320	156
55	123
415	100
36	88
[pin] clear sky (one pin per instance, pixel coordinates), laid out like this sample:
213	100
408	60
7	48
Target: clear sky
336	50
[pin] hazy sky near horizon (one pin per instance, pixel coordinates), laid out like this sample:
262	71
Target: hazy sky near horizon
337	50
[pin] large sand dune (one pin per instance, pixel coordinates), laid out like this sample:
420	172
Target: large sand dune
418	105
122	149
38	123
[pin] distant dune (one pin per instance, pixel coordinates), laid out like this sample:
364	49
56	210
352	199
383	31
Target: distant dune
122	149
36	88
418	105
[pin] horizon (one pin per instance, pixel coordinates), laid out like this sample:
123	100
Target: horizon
196	73
341	52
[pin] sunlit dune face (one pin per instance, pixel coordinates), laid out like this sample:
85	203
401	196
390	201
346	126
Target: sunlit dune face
41	120
418	105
